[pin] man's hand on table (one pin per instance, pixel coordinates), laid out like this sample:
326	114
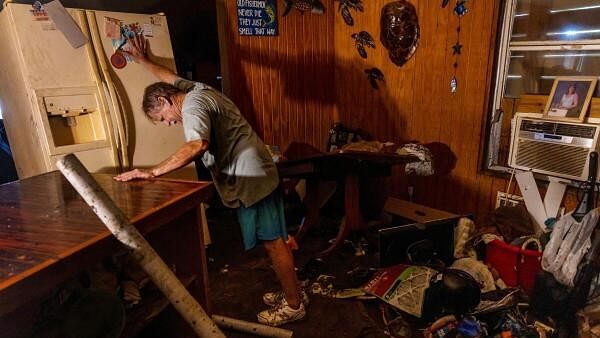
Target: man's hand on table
134	174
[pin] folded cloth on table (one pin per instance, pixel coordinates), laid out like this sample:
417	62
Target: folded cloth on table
424	167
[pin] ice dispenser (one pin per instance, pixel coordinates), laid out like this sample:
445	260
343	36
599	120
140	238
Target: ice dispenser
74	117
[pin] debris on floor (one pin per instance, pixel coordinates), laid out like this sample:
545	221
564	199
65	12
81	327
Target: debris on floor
489	283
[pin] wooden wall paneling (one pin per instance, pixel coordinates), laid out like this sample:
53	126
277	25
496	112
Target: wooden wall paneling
297	81
496	183
258	86
284	107
266	106
467	107
378	112
254	80
431	97
299	129
428	60
326	56
277	81
483	56
460	116
272	124
291	87
433	114
447	110
479	46
406	82
355	97
437	36
304	77
327	45
237	76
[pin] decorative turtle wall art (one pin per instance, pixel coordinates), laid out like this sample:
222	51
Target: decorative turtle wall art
313	6
346	5
361	40
399	30
374	74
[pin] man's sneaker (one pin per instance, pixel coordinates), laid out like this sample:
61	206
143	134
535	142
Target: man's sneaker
281	314
275	298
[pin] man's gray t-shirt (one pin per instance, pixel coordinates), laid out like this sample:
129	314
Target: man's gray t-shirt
239	162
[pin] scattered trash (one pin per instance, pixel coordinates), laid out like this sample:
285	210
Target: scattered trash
366	297
543	330
359	276
467	300
497	300
453	292
441	327
349	293
477	270
131	293
402	286
511	323
398	328
323	286
446	331
469	327
360	246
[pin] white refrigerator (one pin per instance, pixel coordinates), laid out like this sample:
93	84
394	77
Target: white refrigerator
57	99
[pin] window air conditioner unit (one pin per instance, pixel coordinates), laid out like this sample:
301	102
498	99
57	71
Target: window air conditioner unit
553	148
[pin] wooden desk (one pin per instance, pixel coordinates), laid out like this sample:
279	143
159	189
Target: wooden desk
48	234
349	166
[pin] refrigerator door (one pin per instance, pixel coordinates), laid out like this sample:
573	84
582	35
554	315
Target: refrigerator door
66	111
49	60
148	143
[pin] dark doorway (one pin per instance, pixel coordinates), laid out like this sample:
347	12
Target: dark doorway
8	172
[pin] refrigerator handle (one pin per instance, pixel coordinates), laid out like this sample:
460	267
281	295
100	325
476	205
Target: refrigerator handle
99	50
100	87
123	118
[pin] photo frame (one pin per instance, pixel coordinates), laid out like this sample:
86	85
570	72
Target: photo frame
570	98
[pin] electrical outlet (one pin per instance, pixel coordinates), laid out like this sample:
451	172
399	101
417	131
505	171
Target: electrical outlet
505	199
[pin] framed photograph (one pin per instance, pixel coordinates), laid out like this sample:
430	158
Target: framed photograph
570	98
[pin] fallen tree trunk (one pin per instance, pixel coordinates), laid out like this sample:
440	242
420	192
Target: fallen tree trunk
116	221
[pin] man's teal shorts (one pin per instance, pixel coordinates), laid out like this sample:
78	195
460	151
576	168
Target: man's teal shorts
264	220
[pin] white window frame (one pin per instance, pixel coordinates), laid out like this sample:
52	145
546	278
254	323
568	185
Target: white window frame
505	47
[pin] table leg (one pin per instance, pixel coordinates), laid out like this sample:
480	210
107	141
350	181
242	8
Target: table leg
353	218
201	259
311	201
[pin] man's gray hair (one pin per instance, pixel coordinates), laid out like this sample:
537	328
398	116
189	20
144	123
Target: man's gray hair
150	103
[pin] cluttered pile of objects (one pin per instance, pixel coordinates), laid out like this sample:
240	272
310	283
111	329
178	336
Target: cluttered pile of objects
507	277
502	280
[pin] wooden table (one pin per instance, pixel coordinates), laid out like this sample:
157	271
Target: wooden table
348	166
48	234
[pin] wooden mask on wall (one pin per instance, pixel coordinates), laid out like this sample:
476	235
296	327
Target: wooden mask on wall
399	30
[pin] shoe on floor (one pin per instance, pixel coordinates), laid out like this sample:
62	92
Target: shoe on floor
281	314
275	298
